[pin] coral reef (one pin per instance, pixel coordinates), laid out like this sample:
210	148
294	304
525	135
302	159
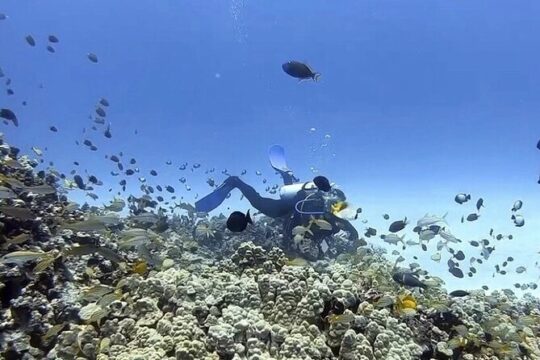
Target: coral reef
72	288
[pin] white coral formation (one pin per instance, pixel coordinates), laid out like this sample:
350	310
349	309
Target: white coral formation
264	312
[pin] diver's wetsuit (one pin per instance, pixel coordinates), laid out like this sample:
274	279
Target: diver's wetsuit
275	208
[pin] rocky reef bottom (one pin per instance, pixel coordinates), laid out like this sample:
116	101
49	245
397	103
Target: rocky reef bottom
254	306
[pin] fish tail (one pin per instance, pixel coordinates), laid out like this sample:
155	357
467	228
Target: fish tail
248	218
316	76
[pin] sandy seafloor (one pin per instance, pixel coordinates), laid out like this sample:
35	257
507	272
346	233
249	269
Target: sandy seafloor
80	283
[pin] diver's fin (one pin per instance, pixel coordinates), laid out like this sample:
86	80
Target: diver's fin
214	199
276	154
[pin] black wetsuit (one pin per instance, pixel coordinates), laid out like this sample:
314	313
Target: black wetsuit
285	208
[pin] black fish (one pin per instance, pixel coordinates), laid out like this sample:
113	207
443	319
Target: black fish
408	279
107	132
50	49
237	221
170	189
30	40
9	115
153	172
397	225
79	181
460	255
472	217
458	293
92	57
456	272
53	129
538	145
93	179
159	188
300	71
322	183
101	112
479	204
370	232
53	39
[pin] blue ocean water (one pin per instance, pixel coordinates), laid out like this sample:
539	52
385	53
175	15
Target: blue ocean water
417	102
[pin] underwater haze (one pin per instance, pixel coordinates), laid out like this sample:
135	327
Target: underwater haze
417	102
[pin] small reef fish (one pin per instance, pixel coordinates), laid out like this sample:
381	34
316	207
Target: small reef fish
479	204
7	193
408	279
517	205
300	70
344	318
17	212
21	257
116	205
428	220
398	225
459	293
237	221
462	198
322	183
148	217
393	239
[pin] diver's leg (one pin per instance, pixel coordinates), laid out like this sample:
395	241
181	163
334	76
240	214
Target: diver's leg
269	207
276	154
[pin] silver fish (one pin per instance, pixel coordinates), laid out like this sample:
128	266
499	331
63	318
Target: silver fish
428	220
446	235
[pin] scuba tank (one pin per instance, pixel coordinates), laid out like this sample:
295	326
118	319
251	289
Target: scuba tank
311	204
288	192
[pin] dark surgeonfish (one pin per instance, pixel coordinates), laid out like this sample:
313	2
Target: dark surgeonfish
237	221
30	40
322	183
459	293
408	279
398	225
9	115
300	70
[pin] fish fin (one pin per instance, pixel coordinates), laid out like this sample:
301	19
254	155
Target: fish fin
248	218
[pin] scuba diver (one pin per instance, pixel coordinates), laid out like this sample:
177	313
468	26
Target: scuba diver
299	202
